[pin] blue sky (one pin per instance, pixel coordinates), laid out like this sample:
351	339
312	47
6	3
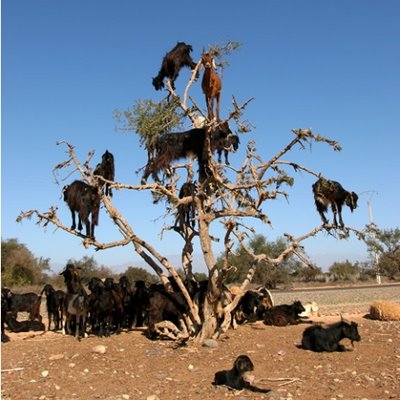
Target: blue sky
329	65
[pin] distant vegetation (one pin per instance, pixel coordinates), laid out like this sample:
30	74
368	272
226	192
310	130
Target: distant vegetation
20	268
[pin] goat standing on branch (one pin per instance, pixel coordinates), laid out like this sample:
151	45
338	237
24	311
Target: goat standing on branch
84	200
173	61
106	169
331	192
173	146
211	85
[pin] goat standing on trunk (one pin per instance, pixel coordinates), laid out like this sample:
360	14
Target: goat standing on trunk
211	85
331	192
172	63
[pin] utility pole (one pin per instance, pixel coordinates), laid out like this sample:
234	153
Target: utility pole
376	255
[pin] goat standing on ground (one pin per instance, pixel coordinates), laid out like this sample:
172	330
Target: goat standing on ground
76	302
55	303
211	85
85	200
173	61
106	169
331	192
175	145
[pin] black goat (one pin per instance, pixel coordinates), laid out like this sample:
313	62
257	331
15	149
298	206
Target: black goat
127	290
331	192
103	306
284	314
25	302
76	302
174	146
318	338
233	378
84	200
230	143
55	306
172	62
106	169
24	326
140	303
186	213
4	310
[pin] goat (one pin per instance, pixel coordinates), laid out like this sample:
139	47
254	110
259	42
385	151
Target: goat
186	212
140	303
4	309
24	326
211	85
225	145
84	200
106	169
25	302
318	338
127	290
331	192
233	378
172	63
103	306
175	145
284	314
76	301
55	306
251	307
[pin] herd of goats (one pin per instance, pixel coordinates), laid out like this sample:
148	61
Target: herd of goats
110	306
84	199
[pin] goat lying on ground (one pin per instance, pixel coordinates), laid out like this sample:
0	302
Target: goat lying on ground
233	378
84	200
24	326
25	302
174	146
211	85
106	169
318	338
173	61
331	192
284	314
55	306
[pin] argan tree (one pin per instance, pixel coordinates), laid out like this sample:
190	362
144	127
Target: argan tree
233	197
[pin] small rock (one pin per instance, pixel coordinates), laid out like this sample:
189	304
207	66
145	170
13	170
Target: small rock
99	349
55	357
152	397
45	373
125	396
210	343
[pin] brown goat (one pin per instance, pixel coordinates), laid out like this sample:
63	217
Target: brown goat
211	85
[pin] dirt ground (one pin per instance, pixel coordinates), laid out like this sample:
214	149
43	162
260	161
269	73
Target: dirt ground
52	366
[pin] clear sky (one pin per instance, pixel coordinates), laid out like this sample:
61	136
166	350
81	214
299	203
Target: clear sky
329	65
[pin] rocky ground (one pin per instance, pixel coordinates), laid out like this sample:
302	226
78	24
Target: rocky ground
129	366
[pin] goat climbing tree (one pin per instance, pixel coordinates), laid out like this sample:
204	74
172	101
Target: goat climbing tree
233	197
